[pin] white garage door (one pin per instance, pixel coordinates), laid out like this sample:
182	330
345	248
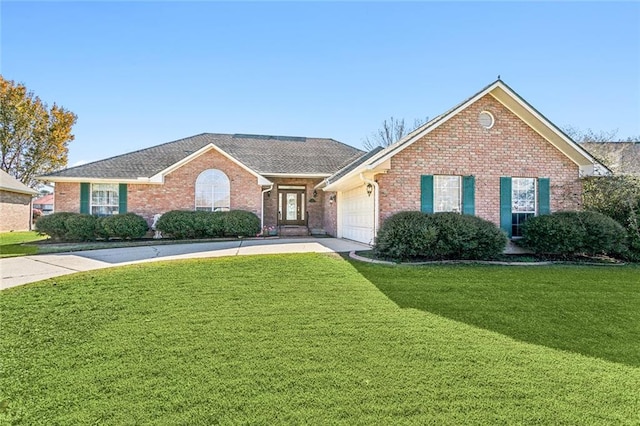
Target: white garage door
357	214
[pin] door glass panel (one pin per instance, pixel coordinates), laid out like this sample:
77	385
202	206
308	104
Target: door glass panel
302	204
292	206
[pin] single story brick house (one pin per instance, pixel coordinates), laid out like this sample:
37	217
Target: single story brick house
15	204
492	155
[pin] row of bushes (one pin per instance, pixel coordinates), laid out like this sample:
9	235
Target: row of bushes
202	224
571	233
416	235
85	227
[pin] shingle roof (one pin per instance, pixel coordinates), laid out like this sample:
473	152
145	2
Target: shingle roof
353	164
11	184
261	153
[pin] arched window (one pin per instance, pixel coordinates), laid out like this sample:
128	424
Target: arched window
213	191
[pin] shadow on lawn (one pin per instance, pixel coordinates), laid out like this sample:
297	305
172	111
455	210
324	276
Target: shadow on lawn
588	310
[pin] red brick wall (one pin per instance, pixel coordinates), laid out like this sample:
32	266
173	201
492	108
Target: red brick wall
462	147
178	190
66	197
330	217
15	211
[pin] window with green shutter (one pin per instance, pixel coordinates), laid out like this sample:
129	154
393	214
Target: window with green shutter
544	197
122	198
426	194
85	197
444	193
505	205
469	195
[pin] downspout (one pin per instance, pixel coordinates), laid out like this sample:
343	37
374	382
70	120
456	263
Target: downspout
262	206
376	191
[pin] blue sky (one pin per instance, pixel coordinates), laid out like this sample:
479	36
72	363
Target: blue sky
142	73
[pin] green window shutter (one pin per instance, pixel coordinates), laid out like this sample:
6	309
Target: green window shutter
85	197
426	193
505	205
122	198
469	195
544	189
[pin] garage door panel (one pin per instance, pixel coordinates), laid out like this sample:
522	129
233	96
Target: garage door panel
358	215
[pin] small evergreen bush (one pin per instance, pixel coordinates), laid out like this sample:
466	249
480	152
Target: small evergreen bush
466	237
128	226
240	223
415	235
554	234
571	233
405	235
178	224
200	224
80	227
53	225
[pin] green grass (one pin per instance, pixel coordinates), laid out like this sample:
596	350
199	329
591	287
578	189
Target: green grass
283	339
11	243
589	310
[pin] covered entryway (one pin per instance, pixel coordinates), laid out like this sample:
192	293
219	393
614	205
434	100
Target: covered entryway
356	210
291	205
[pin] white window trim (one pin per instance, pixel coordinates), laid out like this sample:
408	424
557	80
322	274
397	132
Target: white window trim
435	193
212	206
117	198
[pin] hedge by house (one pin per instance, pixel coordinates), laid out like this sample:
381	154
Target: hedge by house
619	198
415	235
83	227
571	233
200	224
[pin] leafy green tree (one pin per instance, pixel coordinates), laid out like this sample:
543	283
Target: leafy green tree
33	137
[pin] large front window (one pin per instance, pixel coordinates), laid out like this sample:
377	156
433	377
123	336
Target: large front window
104	199
213	191
523	203
446	194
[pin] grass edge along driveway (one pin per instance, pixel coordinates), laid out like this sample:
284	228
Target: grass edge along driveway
277	339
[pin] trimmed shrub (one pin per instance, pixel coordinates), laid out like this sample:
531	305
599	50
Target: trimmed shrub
415	235
200	224
53	225
571	233
466	237
213	224
127	226
554	234
177	223
405	235
603	235
80	227
100	231
240	223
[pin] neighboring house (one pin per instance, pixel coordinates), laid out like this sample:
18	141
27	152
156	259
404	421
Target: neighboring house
44	204
493	156
15	204
621	157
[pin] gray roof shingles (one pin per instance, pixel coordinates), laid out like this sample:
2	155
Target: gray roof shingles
263	154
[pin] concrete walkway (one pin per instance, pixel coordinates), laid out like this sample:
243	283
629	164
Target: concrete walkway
15	271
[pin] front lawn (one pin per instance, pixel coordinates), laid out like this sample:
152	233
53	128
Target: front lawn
290	339
589	310
12	243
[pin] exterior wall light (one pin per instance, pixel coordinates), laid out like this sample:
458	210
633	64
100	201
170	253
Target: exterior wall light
369	189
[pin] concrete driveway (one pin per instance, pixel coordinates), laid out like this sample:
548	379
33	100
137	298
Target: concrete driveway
15	271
